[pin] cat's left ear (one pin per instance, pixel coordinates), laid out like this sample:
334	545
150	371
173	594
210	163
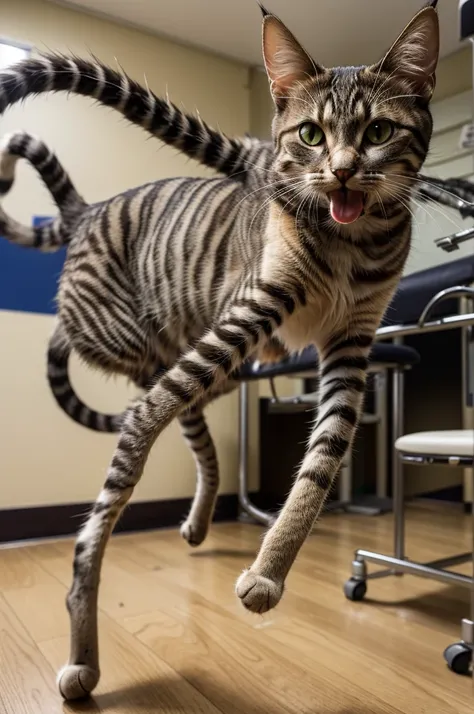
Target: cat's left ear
286	61
414	55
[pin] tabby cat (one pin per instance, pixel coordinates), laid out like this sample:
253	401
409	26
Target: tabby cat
175	284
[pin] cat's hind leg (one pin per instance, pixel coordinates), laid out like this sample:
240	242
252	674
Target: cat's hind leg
196	434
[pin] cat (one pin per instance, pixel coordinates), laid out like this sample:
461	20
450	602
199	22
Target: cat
176	283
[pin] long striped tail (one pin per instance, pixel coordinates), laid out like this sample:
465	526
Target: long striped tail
159	117
58	378
47	238
53	234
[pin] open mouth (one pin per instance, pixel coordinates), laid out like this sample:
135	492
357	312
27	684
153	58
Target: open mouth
346	205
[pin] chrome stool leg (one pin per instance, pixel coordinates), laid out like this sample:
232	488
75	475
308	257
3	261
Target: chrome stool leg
460	656
356	587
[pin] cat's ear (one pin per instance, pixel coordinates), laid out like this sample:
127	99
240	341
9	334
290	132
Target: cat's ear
286	61
414	55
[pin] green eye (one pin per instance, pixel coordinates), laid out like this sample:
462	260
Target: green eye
379	132
311	134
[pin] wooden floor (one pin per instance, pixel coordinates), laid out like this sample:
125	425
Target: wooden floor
174	638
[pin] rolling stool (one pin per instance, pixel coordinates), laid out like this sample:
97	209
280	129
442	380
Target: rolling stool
452	448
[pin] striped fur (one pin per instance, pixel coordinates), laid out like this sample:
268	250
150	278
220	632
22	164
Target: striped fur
454	193
176	283
158	117
54	234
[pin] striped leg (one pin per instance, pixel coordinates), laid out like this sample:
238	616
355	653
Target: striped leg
199	440
342	384
196	374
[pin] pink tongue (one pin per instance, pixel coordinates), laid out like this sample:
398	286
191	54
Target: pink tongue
346	205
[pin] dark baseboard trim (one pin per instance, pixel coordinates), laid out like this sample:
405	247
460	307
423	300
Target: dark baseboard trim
451	493
18	524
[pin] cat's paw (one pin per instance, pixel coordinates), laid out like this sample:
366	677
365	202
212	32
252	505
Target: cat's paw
76	681
258	594
193	533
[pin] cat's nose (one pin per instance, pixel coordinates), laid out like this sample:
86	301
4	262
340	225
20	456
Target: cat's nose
343	175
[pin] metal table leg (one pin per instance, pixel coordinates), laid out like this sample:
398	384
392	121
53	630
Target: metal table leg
245	503
356	587
397	467
379	503
381	433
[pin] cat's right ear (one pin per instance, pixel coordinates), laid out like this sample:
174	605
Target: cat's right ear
286	61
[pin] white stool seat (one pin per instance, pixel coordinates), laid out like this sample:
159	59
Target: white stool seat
438	443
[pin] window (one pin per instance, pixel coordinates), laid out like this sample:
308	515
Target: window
10	53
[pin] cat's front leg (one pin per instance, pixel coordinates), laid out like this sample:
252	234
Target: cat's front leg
344	360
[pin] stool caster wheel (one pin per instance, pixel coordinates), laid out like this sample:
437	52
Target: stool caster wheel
459	658
355	590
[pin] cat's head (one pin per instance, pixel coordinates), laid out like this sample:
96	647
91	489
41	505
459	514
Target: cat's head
349	139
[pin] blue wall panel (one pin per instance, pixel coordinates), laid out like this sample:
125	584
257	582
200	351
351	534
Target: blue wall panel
29	279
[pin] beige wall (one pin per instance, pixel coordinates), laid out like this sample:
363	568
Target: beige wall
261	104
44	457
454	74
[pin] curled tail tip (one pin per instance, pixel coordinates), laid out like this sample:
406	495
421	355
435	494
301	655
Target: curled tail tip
7	164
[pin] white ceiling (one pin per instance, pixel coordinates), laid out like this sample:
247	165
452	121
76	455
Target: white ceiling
335	32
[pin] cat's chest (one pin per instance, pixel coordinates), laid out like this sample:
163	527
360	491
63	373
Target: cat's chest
322	314
330	293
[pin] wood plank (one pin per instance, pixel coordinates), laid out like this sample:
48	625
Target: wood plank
134	680
18	569
26	678
327	622
241	672
174	638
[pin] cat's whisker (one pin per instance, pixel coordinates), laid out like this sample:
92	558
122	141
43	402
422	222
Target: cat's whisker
300	206
301	192
437	186
432	202
313	104
423	207
263	188
440	209
380	202
244	243
397	96
271	198
390	76
300	99
374	86
407	206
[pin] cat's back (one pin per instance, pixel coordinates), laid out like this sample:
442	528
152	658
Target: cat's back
146	217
